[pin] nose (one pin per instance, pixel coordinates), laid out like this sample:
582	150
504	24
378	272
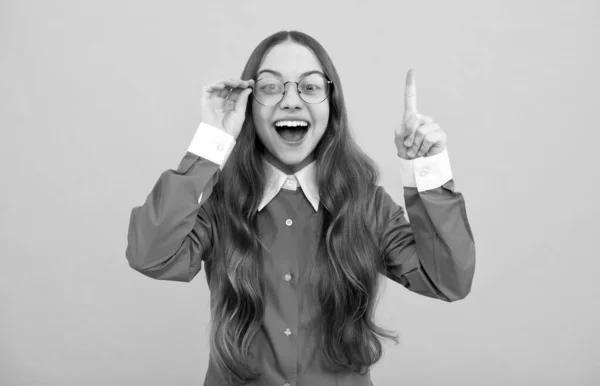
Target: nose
291	99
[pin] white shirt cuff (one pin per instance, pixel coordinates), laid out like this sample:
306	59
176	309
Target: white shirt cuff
425	173
212	143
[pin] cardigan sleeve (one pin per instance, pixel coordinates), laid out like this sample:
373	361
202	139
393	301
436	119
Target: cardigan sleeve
434	254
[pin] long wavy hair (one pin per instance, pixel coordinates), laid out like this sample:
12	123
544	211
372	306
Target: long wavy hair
344	278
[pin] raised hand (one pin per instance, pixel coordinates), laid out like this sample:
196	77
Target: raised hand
223	104
418	135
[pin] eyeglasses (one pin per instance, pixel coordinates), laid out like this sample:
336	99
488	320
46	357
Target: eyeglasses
313	88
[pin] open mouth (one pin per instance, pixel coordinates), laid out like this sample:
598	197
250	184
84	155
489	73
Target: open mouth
292	131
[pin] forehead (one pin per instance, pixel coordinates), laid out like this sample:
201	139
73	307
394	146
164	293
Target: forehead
290	59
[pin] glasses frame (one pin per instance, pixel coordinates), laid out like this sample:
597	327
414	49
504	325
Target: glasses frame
327	81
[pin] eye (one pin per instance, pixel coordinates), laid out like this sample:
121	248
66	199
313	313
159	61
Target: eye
269	86
313	84
311	88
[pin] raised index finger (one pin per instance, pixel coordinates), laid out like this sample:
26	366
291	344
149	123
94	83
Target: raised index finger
410	94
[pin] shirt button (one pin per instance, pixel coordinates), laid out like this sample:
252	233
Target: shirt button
220	147
288	222
290	183
287	277
288	332
423	173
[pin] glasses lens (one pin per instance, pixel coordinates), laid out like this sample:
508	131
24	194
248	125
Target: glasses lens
313	89
268	91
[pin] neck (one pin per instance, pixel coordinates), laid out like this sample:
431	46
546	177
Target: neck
288	169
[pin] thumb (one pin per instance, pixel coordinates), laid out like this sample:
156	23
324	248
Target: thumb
242	101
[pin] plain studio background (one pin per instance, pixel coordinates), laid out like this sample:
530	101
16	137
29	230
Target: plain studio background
98	98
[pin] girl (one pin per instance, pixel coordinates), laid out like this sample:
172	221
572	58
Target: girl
283	208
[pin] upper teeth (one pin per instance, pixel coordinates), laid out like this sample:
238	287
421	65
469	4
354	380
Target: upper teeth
291	123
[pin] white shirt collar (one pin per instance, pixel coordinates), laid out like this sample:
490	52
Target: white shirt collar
306	177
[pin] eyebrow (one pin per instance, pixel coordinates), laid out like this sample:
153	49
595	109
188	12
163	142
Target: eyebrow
281	76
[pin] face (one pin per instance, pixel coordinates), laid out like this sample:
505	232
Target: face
290	148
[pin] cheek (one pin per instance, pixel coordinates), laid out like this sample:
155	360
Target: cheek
323	116
322	119
256	115
261	120
261	116
326	115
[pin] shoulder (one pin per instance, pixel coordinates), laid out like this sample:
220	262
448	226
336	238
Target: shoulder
380	207
380	198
